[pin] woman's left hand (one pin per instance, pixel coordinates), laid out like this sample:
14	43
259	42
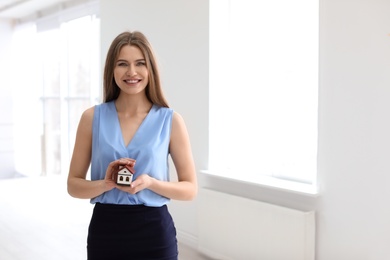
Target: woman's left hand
140	183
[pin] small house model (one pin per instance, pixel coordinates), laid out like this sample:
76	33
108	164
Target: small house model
125	175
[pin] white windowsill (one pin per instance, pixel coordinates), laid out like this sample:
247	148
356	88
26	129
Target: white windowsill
310	190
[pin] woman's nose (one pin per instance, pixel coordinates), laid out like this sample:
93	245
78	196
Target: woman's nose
131	71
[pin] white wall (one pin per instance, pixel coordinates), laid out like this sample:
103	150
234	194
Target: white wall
354	143
354	148
7	167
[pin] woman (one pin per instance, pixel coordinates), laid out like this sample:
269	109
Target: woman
133	126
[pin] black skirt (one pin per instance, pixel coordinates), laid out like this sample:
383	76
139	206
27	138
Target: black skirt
126	232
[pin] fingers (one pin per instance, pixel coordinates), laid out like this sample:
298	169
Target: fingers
126	161
140	183
122	162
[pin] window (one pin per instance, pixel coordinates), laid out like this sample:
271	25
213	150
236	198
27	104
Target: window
59	67
264	89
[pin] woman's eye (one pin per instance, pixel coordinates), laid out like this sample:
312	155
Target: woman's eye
121	64
140	63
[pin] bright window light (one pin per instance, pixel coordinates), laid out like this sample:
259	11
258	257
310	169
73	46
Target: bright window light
61	65
264	89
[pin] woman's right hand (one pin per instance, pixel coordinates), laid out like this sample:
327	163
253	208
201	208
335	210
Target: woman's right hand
112	170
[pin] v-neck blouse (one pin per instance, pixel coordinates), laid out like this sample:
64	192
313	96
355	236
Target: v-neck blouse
149	147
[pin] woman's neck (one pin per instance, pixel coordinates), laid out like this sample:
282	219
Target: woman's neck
131	105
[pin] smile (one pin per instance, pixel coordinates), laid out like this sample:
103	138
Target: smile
132	81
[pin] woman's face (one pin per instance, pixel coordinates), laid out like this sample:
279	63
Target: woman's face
130	72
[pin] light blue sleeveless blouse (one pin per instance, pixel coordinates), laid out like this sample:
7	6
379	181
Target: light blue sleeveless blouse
149	147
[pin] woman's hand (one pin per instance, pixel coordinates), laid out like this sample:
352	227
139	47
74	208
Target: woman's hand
142	182
112	170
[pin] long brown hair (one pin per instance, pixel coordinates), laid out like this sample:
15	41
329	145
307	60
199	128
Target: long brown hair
153	90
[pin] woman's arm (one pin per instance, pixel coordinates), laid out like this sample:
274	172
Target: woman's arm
78	186
180	149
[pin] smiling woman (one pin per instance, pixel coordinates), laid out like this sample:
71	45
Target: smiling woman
154	93
131	73
132	127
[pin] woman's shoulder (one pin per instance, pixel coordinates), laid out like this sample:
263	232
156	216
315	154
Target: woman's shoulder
85	124
88	115
176	115
162	110
178	120
89	112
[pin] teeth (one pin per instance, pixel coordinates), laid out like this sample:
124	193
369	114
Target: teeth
132	81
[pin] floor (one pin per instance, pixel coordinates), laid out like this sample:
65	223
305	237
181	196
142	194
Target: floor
38	219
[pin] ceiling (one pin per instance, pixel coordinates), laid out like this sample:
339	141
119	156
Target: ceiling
18	9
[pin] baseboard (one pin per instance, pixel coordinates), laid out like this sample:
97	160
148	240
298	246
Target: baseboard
187	239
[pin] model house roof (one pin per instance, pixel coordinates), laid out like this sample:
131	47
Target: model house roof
129	168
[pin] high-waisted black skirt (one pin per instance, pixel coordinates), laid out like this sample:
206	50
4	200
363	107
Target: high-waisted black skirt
123	232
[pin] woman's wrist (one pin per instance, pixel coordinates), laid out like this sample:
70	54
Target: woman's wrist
104	186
